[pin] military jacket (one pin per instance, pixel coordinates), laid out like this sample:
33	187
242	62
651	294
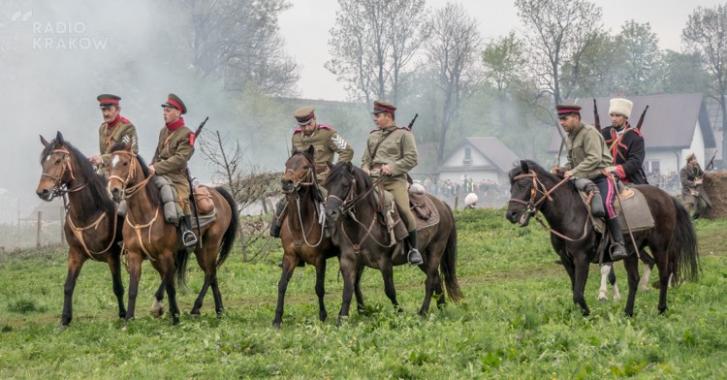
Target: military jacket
628	153
326	142
122	132
587	152
393	146
172	154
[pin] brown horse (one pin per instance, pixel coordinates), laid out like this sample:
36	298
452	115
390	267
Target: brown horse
673	241
147	235
353	214
302	232
92	227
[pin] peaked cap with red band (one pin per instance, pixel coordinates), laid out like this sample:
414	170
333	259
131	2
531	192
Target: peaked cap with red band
106	100
175	102
567	109
382	106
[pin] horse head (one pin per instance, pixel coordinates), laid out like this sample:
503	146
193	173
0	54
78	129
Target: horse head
299	171
57	168
341	187
528	187
127	171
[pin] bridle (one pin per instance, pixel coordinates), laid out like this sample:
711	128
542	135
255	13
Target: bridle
60	188
308	180
133	167
533	204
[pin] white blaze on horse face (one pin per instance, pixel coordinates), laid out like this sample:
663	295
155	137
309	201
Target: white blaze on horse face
115	160
47	158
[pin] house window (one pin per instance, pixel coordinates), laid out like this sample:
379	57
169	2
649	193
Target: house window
653	167
467	156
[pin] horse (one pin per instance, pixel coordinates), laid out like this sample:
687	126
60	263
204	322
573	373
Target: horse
148	236
672	241
353	211
302	233
92	226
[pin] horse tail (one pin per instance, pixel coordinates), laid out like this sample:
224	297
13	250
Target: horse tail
683	251
448	265
229	237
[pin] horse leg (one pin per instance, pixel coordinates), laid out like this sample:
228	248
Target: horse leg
649	261
75	262
606	270
320	287
349	269
360	305
581	276
569	268
200	298
201	254
134	261
289	264
157	308
166	265
665	272
114	261
387	273
632	269
612	281
431	282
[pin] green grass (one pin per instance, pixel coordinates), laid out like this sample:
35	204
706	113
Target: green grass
517	321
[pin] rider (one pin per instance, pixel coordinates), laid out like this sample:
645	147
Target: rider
391	152
326	141
115	129
175	148
692	178
588	156
626	144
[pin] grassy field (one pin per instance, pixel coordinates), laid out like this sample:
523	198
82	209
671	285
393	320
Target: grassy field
517	321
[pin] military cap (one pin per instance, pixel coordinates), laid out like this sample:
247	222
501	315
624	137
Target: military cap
567	109
174	102
304	115
382	106
106	100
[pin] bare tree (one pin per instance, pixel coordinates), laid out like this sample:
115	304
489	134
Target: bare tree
372	43
239	41
559	31
452	52
504	60
706	34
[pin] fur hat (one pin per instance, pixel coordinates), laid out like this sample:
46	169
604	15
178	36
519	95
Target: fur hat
621	106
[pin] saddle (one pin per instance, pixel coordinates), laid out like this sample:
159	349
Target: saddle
173	211
425	213
633	211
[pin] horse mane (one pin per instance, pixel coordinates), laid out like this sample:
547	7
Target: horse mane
97	198
151	191
363	181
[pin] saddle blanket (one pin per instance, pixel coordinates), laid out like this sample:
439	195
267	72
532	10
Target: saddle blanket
633	212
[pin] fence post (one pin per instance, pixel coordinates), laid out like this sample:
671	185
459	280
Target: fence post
37	232
456	201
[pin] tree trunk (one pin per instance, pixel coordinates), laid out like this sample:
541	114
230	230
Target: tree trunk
723	106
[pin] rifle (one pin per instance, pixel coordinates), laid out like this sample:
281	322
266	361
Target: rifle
641	118
411	123
192	202
711	162
596	118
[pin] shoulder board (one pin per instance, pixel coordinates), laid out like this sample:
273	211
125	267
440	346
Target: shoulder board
404	128
374	130
297	130
326	127
124	120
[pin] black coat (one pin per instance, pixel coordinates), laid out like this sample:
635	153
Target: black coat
628	154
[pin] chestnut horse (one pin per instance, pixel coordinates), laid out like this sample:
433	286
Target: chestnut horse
148	236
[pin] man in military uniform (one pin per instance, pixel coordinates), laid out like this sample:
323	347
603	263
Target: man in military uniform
115	129
692	178
326	142
588	158
391	152
174	150
625	143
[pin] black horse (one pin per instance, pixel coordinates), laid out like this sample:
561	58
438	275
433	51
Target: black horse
353	215
673	241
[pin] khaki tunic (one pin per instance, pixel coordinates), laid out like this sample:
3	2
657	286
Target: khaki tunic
588	154
170	160
123	131
326	142
396	148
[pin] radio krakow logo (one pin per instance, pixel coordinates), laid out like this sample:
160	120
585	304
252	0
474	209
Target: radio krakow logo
65	36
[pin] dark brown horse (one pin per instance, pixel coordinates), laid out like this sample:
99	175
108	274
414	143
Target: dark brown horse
92	227
302	232
148	236
354	218
672	242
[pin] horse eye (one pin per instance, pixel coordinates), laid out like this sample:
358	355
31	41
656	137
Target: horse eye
58	160
126	164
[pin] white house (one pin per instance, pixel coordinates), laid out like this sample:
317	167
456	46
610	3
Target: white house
675	126
479	159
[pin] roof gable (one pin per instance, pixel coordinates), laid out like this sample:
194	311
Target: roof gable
493	150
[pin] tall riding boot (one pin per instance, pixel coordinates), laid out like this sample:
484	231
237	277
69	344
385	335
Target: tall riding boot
189	239
414	256
597	209
618	246
275	223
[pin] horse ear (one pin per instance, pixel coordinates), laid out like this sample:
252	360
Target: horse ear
59	138
349	166
311	150
524	166
43	141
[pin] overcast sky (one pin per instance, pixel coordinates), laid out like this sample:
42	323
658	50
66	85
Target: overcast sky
306	26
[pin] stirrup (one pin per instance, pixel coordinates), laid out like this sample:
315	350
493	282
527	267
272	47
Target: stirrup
189	239
414	252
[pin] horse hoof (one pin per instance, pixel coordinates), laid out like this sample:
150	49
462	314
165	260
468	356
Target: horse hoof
342	319
122	315
195	313
323	317
62	327
602	298
175	320
276	325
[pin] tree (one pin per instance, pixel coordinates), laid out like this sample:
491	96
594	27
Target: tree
682	72
639	57
452	52
504	60
559	33
706	35
239	42
372	43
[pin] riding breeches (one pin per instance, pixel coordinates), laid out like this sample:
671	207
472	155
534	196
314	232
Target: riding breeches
399	189
608	195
